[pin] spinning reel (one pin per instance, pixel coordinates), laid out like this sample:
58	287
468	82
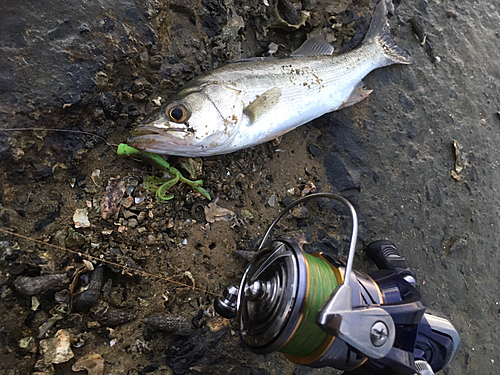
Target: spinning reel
319	312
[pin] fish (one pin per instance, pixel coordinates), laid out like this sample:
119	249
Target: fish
246	103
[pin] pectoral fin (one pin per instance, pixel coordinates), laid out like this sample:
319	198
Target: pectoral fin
263	104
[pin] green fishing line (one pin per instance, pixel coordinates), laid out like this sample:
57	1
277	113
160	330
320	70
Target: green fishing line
308	336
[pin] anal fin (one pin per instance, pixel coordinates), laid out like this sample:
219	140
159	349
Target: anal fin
263	104
358	94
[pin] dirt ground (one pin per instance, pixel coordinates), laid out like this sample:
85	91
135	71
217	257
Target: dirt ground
417	158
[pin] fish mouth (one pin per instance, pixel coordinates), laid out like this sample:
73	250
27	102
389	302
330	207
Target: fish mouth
162	141
151	129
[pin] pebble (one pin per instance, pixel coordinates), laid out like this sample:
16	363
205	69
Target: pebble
142	215
110	316
128	214
132	223
57	349
175	324
32	286
90	296
272	200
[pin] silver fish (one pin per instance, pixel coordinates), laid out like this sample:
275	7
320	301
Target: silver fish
246	103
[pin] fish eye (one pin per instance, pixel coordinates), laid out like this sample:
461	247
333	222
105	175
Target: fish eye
177	112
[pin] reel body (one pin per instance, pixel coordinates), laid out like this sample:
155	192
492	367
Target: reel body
318	312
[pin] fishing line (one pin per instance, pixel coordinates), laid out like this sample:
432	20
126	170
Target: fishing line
62	131
321	281
143	273
113	146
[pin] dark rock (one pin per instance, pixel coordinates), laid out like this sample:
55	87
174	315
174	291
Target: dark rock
211	26
412	152
74	239
147	369
196	322
90	296
110	316
433	193
341	133
156	62
60	32
288	12
110	105
184	353
399	138
13	31
43	223
474	176
32	286
4	143
313	149
407	102
107	25
42	174
175	324
340	175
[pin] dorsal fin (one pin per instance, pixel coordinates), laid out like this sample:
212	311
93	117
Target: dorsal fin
314	46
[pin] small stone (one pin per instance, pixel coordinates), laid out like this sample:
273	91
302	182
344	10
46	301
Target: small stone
128	214
74	239
132	223
57	349
110	316
80	218
127	202
93	363
32	286
308	188
28	343
247	215
458	245
84	28
114	194
175	324
142	215
272	200
313	150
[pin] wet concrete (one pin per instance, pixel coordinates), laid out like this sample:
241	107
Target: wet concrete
99	67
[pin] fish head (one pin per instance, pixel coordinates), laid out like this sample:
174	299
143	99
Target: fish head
201	120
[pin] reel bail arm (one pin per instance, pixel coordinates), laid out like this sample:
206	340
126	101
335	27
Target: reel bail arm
370	330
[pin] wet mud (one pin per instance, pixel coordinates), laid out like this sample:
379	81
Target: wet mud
417	158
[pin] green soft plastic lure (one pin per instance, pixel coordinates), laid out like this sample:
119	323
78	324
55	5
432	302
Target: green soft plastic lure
161	185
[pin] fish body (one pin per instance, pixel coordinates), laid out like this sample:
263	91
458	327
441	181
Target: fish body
247	103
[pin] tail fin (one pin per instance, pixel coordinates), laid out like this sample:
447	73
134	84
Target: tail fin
380	33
